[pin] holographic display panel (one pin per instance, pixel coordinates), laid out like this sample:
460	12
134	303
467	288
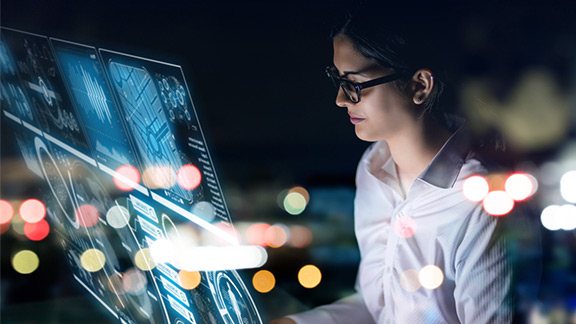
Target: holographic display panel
135	112
89	90
40	98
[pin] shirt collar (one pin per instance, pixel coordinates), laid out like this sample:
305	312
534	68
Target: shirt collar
445	167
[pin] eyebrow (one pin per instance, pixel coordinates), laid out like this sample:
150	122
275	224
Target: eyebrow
347	73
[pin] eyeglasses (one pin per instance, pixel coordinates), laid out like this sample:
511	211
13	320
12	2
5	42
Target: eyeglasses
352	89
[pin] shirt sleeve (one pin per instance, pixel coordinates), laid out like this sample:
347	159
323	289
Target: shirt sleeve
483	273
351	309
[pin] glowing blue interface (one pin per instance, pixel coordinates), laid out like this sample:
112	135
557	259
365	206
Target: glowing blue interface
89	90
81	116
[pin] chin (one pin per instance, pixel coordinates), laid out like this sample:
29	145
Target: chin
366	137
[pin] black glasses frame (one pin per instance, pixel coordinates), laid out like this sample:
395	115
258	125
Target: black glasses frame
347	85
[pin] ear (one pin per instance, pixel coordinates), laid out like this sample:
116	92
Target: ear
422	85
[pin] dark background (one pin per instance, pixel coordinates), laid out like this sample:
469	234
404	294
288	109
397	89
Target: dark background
256	73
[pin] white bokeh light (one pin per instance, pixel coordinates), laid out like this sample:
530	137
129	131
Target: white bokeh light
568	186
567	217
475	188
549	218
498	203
519	186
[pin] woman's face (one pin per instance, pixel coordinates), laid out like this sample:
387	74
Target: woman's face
383	111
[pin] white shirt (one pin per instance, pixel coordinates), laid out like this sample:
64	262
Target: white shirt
449	232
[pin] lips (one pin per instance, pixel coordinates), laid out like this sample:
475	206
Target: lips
355	119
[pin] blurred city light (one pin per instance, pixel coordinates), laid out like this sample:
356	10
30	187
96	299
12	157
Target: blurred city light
213	258
159	177
87	215
431	277
32	210
189	279
263	281
6	212
276	235
126	178
556	217
37	231
405	226
256	234
204	210
118	217
309	276
520	186
568	186
300	236
143	260
162	250
409	280
134	281
302	191
115	283
498	203
25	262
475	188
294	203
189	177
92	260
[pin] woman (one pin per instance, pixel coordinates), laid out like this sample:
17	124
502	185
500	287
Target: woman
411	219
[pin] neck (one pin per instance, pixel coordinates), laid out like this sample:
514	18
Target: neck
415	147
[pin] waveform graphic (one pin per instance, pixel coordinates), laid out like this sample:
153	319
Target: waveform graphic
96	96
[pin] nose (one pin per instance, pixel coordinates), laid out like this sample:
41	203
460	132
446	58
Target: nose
341	98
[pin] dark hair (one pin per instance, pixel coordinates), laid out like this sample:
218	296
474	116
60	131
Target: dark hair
404	39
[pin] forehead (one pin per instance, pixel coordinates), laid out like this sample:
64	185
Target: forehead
348	58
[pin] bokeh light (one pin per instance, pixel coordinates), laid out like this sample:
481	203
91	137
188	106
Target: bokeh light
32	210
25	262
568	217
498	203
115	283
294	203
405	226
520	186
37	231
159	177
302	191
143	260
300	236
430	277
475	188
87	215
276	235
409	280
189	279
189	177
263	281
568	186
162	251
6	212
556	217
204	210
92	260
118	217
550	218
126	178
134	281
256	234
309	276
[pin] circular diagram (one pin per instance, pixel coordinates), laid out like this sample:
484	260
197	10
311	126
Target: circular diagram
232	298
